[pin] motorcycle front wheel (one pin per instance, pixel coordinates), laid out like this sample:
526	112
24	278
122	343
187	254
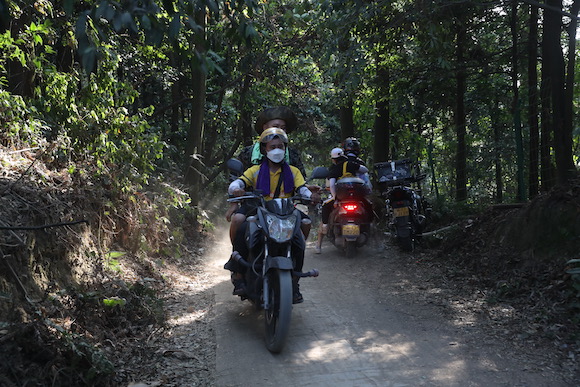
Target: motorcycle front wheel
277	317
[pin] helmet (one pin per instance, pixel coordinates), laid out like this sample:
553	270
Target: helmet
271	133
336	153
273	113
351	144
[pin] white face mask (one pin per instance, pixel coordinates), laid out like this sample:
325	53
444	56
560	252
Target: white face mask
276	155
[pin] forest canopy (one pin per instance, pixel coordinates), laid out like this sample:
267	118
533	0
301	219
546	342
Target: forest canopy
480	93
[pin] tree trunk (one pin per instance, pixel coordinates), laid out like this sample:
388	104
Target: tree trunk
381	125
546	166
432	166
553	61
346	119
516	111
245	123
382	132
194	145
568	124
175	94
460	119
534	162
497	153
20	78
211	136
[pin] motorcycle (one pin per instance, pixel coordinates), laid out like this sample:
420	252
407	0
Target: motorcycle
349	225
406	210
272	237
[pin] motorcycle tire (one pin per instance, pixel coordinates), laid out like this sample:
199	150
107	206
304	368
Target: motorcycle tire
350	249
277	317
406	243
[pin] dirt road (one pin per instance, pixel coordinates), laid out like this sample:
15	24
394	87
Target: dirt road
369	321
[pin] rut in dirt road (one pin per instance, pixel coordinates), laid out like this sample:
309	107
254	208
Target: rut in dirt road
367	321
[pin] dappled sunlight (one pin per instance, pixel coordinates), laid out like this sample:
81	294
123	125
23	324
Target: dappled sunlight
449	373
190	315
329	351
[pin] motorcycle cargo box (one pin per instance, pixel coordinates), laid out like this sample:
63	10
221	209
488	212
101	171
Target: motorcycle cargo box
350	188
394	172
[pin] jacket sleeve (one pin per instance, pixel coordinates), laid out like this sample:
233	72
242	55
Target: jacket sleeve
238	183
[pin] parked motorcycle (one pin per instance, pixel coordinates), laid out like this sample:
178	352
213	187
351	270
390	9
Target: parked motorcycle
272	238
406	209
350	222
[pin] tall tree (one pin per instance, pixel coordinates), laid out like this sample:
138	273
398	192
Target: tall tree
516	108
568	124
460	118
553	65
194	146
534	148
382	125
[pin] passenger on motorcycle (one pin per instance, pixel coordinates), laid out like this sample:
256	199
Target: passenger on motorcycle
274	117
351	147
276	179
341	167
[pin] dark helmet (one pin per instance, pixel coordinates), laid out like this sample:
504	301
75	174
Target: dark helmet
280	113
351	145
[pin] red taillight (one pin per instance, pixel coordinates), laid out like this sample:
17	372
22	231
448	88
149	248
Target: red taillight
350	207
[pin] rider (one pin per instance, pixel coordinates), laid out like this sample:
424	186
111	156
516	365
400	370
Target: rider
274	117
341	167
276	178
351	146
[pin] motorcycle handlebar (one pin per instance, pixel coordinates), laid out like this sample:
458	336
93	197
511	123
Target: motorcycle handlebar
238	258
253	195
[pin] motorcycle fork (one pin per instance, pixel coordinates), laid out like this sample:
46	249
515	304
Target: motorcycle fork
265	279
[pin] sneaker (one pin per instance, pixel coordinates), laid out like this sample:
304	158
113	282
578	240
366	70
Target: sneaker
297	297
317	250
239	284
239	287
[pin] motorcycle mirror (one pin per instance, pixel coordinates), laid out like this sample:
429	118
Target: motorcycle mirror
235	166
319	173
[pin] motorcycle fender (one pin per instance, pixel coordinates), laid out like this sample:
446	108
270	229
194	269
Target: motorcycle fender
282	263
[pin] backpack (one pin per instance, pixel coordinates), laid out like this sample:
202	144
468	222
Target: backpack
344	172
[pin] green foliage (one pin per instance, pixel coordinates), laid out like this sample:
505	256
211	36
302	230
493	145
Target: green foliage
114	301
113	264
80	353
129	112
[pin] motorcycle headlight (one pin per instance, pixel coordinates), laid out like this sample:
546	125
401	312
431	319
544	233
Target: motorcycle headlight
281	230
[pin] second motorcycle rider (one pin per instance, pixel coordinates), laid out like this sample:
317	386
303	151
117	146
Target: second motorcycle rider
341	167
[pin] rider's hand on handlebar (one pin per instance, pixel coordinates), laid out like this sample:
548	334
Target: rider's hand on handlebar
238	192
314	188
315	198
